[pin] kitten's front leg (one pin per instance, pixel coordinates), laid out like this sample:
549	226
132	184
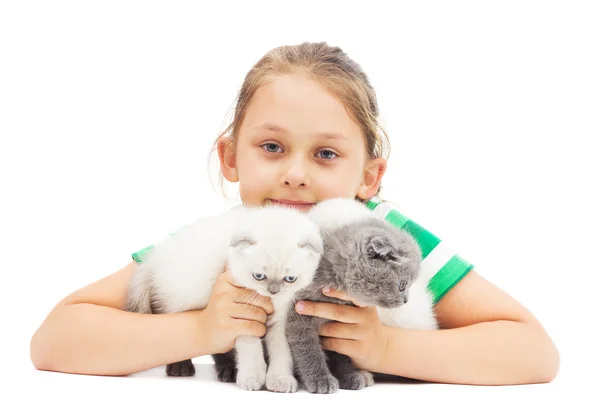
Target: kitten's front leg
350	377
280	376
251	365
308	355
225	366
181	368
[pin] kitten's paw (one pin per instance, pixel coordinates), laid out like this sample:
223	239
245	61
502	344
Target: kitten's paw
283	384
227	374
181	368
369	380
356	381
252	378
323	384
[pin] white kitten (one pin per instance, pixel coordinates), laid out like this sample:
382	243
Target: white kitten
272	250
418	313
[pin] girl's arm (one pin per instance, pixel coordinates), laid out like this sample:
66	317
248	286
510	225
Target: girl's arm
88	333
488	338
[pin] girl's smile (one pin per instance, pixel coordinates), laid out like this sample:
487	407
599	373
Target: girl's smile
301	205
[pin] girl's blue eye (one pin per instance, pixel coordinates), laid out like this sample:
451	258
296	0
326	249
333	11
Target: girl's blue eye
259	276
290	279
327	154
271	147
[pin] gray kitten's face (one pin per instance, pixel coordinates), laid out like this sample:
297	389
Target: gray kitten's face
377	262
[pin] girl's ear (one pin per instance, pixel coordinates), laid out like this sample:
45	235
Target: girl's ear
374	171
226	149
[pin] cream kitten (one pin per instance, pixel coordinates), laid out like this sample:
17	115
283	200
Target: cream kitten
272	250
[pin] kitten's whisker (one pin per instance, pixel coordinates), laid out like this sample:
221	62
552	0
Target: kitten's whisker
247	298
255	298
252	299
246	301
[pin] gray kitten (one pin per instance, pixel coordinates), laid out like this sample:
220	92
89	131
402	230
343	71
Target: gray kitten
372	261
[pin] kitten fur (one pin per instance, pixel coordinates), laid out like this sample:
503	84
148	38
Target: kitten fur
180	271
375	263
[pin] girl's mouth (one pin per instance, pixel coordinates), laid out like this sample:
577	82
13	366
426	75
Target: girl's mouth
295	204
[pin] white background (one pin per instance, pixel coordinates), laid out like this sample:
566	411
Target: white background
108	111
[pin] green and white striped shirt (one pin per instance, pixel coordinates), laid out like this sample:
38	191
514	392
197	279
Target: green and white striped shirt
441	265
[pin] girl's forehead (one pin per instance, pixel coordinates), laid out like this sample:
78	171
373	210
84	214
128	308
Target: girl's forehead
294	104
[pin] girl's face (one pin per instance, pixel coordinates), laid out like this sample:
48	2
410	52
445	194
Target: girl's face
297	145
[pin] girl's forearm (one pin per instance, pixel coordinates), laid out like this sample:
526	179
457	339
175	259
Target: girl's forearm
488	353
92	339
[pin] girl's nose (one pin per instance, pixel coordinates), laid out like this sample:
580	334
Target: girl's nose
295	175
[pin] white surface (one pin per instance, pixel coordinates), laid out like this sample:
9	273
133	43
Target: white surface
151	393
107	113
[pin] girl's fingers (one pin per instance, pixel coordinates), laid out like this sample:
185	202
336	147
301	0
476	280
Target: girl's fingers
339	330
229	278
328	310
347	347
247	327
249	312
341	295
250	297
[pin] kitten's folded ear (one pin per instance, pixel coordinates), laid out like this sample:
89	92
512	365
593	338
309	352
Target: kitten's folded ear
312	244
242	241
381	248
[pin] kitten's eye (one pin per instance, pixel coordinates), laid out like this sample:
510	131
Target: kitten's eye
402	286
290	279
259	276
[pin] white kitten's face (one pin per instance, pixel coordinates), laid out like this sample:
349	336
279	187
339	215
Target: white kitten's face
275	252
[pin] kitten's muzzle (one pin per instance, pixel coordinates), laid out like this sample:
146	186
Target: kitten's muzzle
395	303
273	288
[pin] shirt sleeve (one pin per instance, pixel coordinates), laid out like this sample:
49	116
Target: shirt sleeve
441	265
141	255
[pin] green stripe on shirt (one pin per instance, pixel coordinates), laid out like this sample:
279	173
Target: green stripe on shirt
445	279
140	255
446	276
396	218
426	240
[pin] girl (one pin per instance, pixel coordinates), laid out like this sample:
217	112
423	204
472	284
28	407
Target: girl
305	129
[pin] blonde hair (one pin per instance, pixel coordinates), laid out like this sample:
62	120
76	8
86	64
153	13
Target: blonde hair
333	69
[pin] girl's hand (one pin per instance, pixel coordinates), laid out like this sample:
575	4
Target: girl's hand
355	331
232	311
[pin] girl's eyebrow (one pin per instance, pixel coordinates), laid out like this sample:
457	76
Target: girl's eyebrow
278	129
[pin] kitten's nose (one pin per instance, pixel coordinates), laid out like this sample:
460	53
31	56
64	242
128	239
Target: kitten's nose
405	298
273	288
